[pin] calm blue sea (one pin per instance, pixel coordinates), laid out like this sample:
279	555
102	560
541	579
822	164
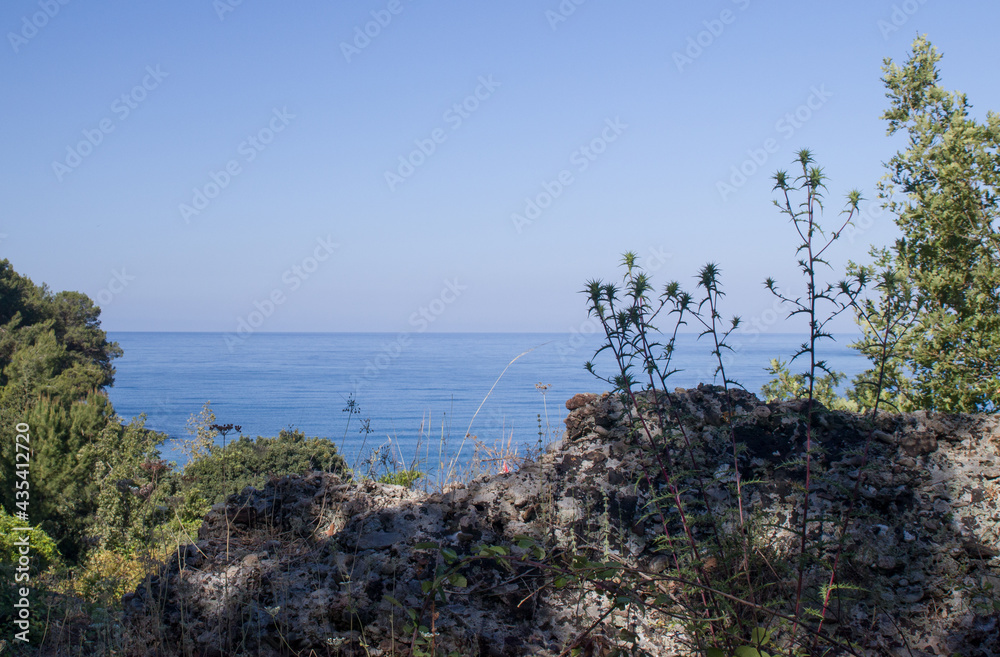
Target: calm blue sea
411	388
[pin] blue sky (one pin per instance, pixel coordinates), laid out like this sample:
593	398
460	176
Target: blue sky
192	165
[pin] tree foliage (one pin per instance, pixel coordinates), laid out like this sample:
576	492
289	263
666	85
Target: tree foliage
55	361
946	265
62	331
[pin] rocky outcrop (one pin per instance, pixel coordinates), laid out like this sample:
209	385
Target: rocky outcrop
316	565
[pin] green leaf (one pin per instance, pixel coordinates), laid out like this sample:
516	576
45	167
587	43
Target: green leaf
760	636
459	580
749	651
425	546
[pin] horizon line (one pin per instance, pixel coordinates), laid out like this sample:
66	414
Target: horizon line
572	332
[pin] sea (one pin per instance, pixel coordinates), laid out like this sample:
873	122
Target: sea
423	398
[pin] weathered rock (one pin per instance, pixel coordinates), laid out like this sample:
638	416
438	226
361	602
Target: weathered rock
315	565
580	400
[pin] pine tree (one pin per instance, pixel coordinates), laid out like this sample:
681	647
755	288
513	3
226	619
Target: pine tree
55	362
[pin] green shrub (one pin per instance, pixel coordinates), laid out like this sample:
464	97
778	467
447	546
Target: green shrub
251	462
134	487
786	386
43	549
43	554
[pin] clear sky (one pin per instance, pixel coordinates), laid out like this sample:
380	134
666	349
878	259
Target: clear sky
339	166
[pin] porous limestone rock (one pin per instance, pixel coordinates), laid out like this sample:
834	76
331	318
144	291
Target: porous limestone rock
313	565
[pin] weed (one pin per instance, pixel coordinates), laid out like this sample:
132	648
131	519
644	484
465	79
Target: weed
729	587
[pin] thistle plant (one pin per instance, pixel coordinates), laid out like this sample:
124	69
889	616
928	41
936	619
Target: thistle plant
698	548
821	303
709	280
715	555
629	332
885	323
814	244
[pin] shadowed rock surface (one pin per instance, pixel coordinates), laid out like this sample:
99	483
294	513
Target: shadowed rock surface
313	565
